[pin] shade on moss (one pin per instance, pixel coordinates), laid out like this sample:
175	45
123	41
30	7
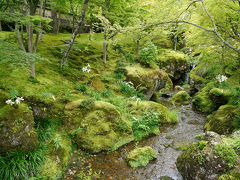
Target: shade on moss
141	156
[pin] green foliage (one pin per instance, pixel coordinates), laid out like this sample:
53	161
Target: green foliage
145	125
227	153
19	165
202	144
13	93
106	93
199	136
173	115
148	55
200	158
129	90
82	88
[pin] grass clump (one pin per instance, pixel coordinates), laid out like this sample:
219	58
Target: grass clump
145	125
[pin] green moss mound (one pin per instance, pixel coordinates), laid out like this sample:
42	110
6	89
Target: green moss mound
182	97
98	127
222	120
174	63
149	79
141	156
138	108
17	131
3	98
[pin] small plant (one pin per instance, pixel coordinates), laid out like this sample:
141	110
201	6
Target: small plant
145	125
148	55
86	69
173	115
82	88
200	158
199	136
202	144
13	93
227	153
89	174
106	93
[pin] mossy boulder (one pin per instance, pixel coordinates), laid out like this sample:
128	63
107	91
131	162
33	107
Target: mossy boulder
220	96
150	79
96	125
97	84
207	159
138	108
174	63
182	97
16	129
141	156
202	100
222	120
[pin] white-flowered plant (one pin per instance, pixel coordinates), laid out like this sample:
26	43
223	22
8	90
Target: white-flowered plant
86	69
135	98
221	78
17	101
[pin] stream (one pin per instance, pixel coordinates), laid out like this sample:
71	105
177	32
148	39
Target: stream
168	144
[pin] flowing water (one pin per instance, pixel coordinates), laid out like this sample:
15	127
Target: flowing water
169	144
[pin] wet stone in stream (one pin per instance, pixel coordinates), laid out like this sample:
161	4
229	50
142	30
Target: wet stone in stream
169	144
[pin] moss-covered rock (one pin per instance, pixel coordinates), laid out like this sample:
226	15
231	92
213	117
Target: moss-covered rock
207	159
182	97
222	120
138	108
220	96
202	101
141	156
16	129
96	125
151	79
174	63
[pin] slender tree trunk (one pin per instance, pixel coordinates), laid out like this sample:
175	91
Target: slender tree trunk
0	25
138	45
19	37
175	43
43	15
32	72
105	45
65	56
55	22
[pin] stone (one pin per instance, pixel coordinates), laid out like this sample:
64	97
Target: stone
16	129
141	156
181	98
96	125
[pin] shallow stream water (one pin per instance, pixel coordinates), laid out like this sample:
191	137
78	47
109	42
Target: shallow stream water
169	144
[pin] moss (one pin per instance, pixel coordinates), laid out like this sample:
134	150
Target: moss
227	153
148	79
182	97
141	156
226	177
202	144
220	96
196	79
17	131
97	84
58	154
222	120
3	98
202	101
137	109
98	128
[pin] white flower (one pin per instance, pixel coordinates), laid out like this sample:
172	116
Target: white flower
9	101
85	69
135	118
17	101
54	98
221	78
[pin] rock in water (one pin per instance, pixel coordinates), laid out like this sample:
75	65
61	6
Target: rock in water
96	125
16	129
141	156
182	97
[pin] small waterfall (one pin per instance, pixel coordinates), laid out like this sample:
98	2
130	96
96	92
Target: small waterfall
190	67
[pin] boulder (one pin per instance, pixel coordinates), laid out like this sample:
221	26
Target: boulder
174	63
96	125
141	156
222	120
138	108
16	129
220	96
182	97
208	159
149	79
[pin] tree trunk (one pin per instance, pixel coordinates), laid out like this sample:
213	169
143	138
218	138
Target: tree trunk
32	72
65	56
138	45
90	34
55	22
175	43
43	15
19	37
105	45
0	25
